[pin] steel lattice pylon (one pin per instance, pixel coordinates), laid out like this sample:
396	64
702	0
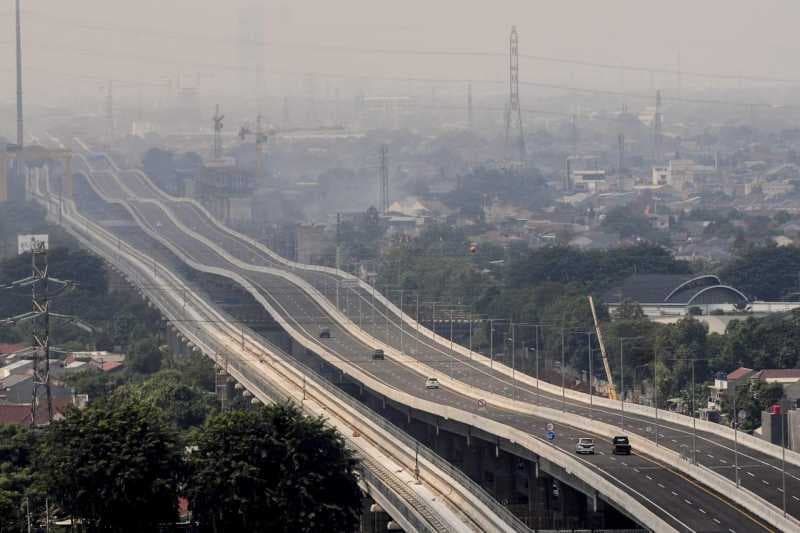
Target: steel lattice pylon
513	110
40	331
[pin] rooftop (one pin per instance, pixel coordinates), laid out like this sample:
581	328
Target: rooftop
655	289
739	373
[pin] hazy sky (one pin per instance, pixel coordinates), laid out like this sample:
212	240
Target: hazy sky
78	44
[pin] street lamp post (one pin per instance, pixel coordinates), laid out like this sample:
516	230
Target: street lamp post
694	422
735	439
622	379
536	345
655	390
563	383
470	337
513	360
591	395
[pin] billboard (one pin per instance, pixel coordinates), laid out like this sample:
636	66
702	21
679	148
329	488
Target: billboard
25	243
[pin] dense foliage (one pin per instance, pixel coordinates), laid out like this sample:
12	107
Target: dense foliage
116	465
766	273
272	469
17	480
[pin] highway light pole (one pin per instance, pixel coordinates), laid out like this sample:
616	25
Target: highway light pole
655	390
591	395
622	379
783	459
735	439
694	422
563	383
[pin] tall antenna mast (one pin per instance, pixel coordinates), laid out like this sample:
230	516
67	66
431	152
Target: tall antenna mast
513	111
384	180
217	118
20	140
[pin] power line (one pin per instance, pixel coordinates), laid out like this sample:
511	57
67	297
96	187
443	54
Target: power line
678	72
567	88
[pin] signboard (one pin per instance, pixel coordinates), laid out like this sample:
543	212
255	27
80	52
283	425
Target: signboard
25	243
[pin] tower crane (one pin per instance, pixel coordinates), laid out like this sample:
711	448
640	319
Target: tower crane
261	137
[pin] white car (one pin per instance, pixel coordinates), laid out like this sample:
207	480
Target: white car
585	445
431	383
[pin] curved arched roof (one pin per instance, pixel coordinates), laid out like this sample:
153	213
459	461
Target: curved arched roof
670	289
735	291
689	282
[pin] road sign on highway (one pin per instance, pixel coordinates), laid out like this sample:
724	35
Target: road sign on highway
551	436
550	426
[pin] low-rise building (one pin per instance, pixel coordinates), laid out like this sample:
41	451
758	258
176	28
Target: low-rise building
23	366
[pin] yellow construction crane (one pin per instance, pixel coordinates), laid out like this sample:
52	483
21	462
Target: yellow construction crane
612	390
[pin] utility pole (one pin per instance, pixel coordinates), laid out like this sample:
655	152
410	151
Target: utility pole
20	139
383	201
513	110
217	118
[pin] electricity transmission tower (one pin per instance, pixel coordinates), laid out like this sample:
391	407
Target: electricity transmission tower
513	109
383	201
40	315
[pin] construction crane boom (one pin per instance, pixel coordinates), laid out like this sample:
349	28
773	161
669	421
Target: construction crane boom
612	390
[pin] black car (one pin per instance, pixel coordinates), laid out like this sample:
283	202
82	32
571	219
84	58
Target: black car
377	355
325	333
622	445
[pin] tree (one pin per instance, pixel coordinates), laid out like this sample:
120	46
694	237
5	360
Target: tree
182	404
145	357
768	273
629	310
272	469
17	445
114	465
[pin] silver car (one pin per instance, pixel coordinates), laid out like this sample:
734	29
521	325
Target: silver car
585	445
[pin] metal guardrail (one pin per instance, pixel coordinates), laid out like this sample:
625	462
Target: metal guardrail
380	478
513	522
395	484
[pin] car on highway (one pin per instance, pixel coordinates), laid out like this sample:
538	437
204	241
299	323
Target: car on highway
621	445
377	355
324	333
431	383
585	445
